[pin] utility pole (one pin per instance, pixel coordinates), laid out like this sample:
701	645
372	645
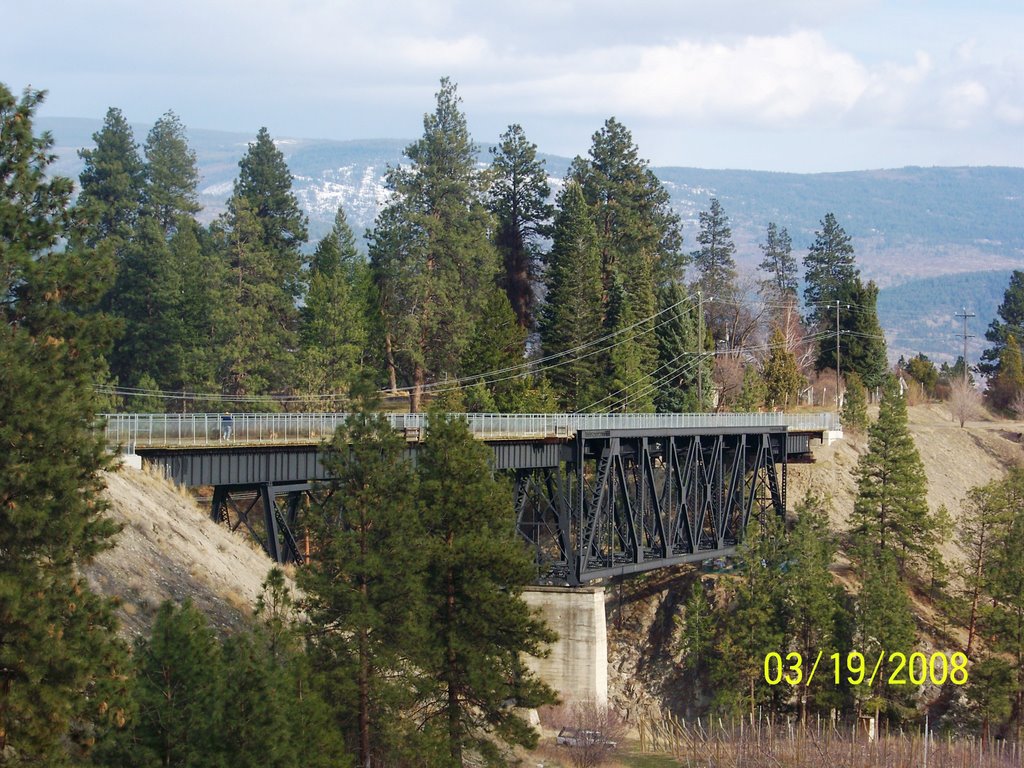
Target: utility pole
837	355
965	314
700	349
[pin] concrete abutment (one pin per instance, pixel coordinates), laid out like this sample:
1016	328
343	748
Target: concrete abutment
577	665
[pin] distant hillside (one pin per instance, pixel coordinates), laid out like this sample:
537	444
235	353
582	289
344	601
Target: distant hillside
918	315
906	224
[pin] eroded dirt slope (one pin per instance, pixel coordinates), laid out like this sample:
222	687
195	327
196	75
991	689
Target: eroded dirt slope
169	549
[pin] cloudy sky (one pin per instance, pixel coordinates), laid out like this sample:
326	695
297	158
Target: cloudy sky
786	85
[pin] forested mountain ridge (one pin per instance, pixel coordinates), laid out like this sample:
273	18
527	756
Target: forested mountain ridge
905	223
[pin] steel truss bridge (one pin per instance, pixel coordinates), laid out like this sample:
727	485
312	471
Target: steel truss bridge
596	495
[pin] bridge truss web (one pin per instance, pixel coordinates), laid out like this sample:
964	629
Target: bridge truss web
626	503
593	505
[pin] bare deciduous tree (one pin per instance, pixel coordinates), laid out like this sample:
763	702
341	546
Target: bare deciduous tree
590	733
965	401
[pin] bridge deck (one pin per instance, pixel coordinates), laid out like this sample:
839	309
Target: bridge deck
190	430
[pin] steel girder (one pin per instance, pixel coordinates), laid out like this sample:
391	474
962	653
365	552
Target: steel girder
632	502
269	512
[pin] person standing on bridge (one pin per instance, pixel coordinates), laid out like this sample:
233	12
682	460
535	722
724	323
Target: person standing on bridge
227	426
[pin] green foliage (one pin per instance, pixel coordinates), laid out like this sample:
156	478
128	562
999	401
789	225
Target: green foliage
890	515
178	691
111	184
680	358
640	247
172	175
629	381
752	394
430	248
364	609
782	379
812	601
61	666
518	198
333	332
884	622
715	266
571	318
1010	321
754	625
861	341
265	182
255	345
497	347
923	371
478	625
1008	382
855	404
828	270
778	262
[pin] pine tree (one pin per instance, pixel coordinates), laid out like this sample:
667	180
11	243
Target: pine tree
1009	320
782	379
890	515
779	263
430	249
862	343
855	404
172	174
571	318
679	355
828	268
265	182
147	297
364	590
333	330
753	392
631	387
811	598
111	184
518	199
60	664
715	266
1008	382
203	312
179	691
754	625
638	238
255	343
478	624
884	621
497	347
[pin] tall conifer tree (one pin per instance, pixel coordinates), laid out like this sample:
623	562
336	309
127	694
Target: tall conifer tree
778	262
111	184
572	318
333	331
361	602
716	267
479	625
60	663
890	515
519	200
638	238
433	260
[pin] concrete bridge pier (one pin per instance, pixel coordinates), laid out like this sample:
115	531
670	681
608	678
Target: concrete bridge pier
577	666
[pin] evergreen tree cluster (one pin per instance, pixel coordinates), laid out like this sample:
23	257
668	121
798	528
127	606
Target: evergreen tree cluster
475	286
783	598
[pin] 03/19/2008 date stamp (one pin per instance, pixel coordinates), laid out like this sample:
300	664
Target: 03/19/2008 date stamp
893	668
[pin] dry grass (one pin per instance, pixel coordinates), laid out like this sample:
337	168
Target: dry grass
746	744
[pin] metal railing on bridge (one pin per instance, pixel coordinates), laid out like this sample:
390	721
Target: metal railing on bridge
172	430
